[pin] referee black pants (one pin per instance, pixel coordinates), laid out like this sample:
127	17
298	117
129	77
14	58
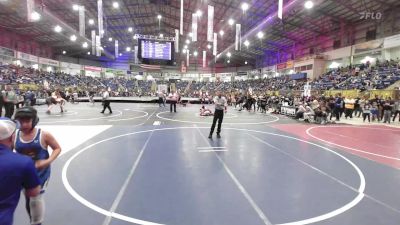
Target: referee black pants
9	106
218	115
106	105
172	104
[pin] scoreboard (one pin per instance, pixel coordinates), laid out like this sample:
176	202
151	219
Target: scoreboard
155	49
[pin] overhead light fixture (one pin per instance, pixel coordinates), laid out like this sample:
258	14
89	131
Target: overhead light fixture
159	17
246	43
64	52
195	53
102	31
85	45
245	6
120	54
260	35
184	51
229	61
57	29
190	34
73	37
88	53
134	37
128	49
221	32
91	21
185	47
115	5
209	46
130	29
228	54
187	41
110	39
245	62
75	7
199	13
161	35
35	16
308	4
231	21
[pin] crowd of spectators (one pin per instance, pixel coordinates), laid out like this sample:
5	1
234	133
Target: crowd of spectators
361	77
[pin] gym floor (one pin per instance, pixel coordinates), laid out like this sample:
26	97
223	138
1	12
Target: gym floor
145	165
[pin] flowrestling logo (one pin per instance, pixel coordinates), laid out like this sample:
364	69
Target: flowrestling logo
370	15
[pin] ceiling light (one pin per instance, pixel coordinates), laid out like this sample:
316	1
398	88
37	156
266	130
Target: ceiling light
308	4
245	62
190	34
128	49
185	47
244	6
221	32
64	52
184	51
246	43
199	13
134	37
57	29
187	41
110	39
231	22
130	29
159	17
195	53
73	38
229	61
102	31
115	5
85	45
228	54
35	16
260	34
209	46
91	21
161	35
88	53
120	54
75	7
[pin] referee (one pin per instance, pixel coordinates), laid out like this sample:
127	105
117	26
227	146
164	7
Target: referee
220	107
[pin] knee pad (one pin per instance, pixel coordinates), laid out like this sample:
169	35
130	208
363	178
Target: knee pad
36	205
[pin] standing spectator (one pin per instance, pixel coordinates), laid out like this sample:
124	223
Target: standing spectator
357	107
375	111
220	107
338	107
10	99
387	112
1	102
16	172
161	98
396	110
173	98
366	111
106	101
349	107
